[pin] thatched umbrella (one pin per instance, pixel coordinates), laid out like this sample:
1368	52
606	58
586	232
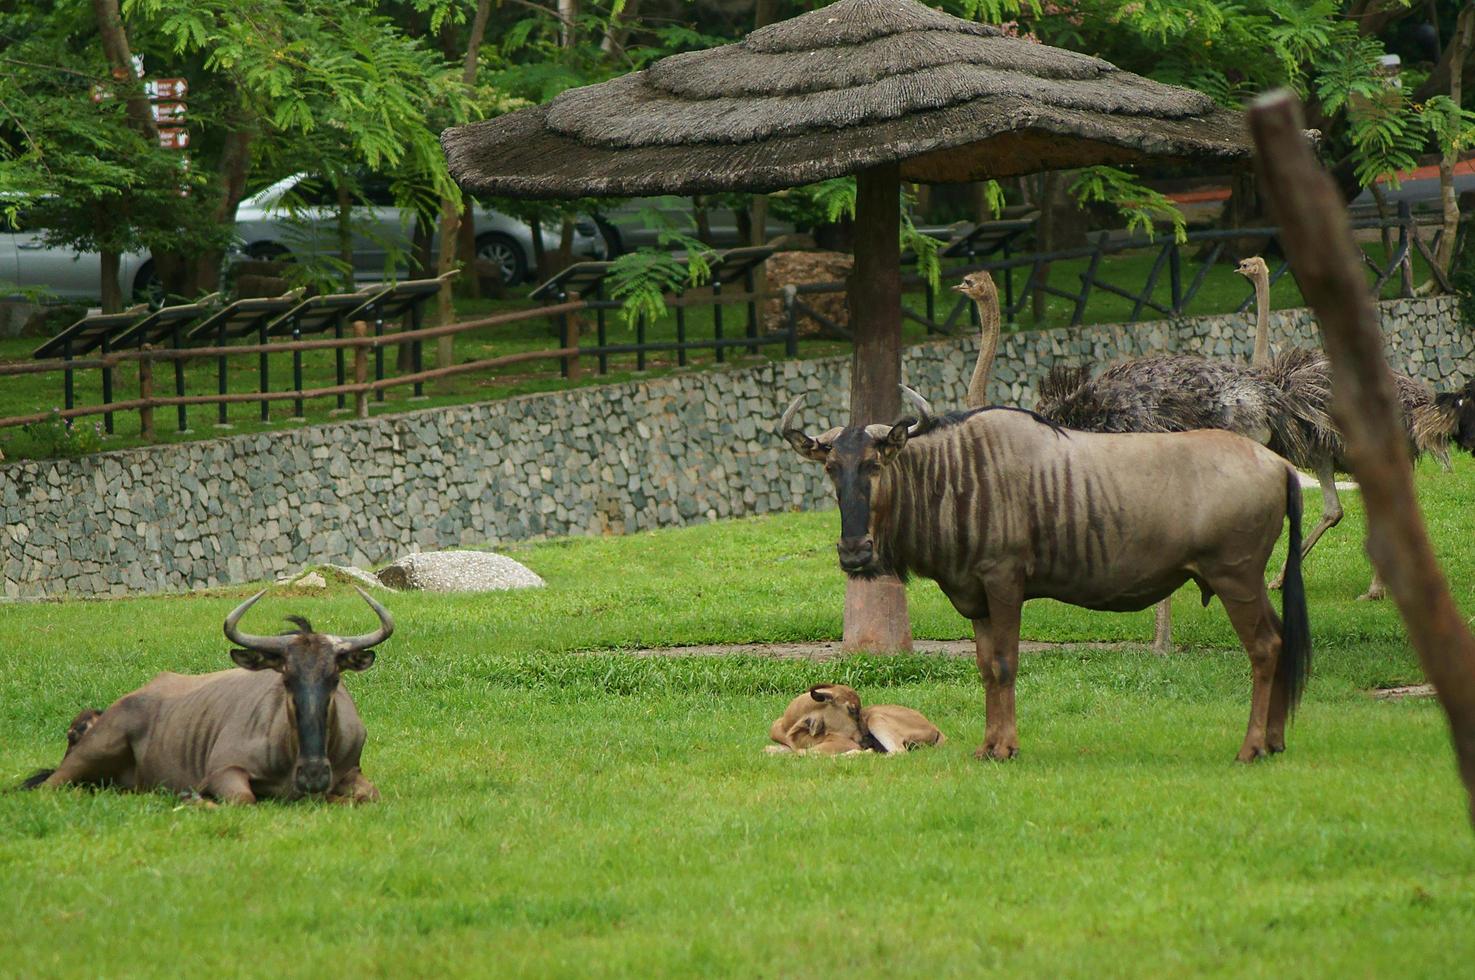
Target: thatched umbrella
888	90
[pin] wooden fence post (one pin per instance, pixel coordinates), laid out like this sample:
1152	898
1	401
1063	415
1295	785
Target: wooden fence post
145	395
360	370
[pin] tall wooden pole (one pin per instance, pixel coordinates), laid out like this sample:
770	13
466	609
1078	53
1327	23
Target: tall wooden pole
876	618
1317	236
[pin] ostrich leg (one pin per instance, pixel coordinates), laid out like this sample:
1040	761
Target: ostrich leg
1331	516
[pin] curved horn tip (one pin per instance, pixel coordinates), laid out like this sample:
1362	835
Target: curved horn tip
787	417
236	613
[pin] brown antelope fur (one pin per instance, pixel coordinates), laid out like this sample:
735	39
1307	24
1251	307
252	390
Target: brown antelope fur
828	719
1000	506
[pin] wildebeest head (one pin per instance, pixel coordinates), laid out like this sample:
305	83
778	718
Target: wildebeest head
1458	407
854	457
309	664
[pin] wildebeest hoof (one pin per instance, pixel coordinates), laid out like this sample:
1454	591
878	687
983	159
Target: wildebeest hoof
777	750
1276	584
1251	752
996	750
1373	594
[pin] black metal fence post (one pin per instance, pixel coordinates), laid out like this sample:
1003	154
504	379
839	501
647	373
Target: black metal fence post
416	348
717	318
107	386
264	368
176	341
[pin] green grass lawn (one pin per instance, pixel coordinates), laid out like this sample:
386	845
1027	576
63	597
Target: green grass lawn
1222	292
554	806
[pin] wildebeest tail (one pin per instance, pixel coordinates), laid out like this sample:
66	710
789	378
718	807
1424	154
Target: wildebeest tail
1294	665
36	779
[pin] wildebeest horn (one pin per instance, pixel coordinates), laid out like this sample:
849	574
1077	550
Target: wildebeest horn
344	644
917	401
789	413
924	409
265	644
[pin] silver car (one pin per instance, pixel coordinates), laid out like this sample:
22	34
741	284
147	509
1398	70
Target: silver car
269	226
57	273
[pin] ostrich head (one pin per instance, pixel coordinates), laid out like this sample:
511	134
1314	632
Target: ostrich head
978	286
1252	267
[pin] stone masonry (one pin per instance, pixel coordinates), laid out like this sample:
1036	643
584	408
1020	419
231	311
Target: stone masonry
599	460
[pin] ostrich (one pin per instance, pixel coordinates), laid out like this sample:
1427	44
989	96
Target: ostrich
1166	393
1428	423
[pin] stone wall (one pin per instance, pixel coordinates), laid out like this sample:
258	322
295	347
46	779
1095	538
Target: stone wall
599	460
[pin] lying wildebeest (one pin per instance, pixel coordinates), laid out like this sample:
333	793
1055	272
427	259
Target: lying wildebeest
1000	505
280	727
829	719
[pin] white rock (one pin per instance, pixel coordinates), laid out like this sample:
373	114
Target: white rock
458	571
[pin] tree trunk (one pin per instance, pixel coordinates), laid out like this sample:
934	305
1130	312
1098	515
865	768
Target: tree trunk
112	292
470	281
1318	241
701	219
1459	43
1046	231
619	29
875	610
540	254
235	164
568	14
565	244
466	238
445	310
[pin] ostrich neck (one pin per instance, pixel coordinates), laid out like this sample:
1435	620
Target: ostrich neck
988	319
1261	355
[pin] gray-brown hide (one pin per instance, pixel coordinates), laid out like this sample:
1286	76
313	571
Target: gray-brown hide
828	719
280	726
999	506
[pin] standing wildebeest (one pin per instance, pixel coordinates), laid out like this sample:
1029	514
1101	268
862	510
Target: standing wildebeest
1000	506
280	727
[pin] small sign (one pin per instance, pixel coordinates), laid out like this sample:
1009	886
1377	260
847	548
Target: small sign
166	88
173	137
168	111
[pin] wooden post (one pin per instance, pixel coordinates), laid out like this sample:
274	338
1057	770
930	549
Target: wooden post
1317	237
573	328
145	394
876	618
360	370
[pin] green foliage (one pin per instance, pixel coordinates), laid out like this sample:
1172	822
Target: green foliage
55	437
1142	207
642	278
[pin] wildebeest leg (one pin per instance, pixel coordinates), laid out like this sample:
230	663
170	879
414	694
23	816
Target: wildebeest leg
353	788
996	641
1255	622
1275	730
101	754
1331	516
231	784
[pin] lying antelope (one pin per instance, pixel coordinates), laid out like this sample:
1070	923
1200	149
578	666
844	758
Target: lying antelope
1000	506
828	719
281	726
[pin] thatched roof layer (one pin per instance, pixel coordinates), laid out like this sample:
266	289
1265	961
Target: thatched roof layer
849	86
